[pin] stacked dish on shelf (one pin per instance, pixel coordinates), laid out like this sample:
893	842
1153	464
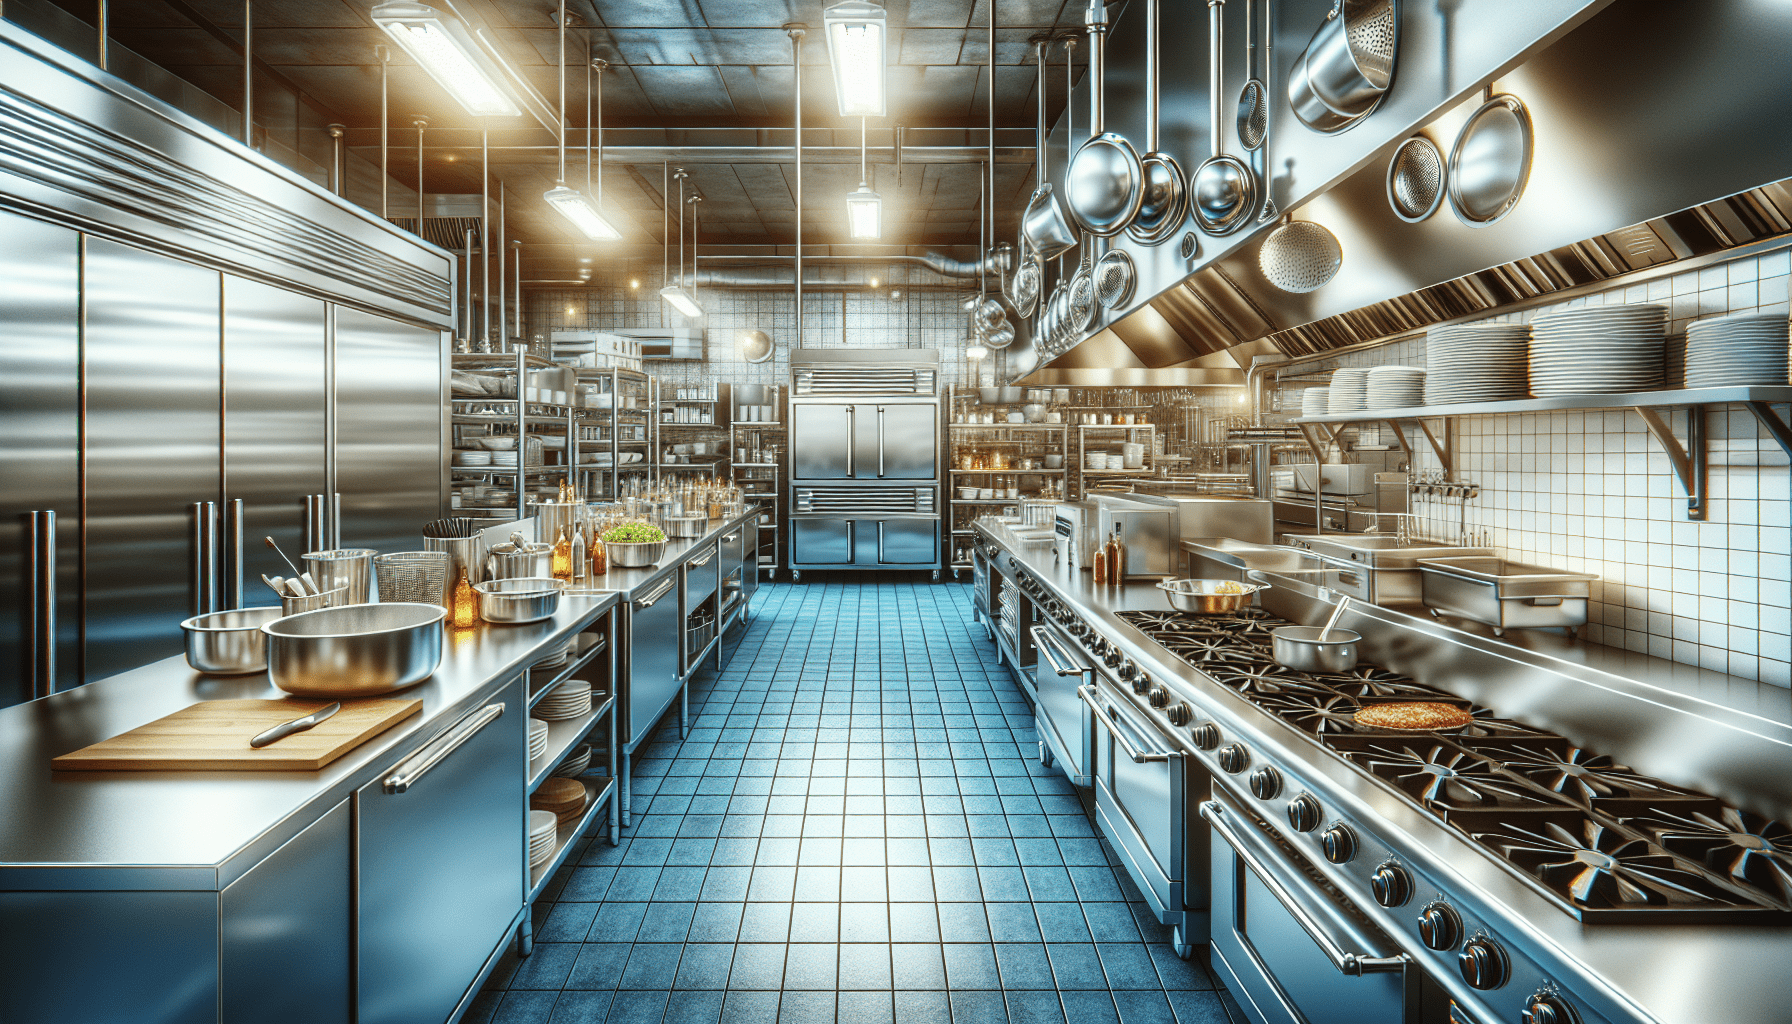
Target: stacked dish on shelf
1599	350
570	699
1737	351
1477	363
1395	387
1315	402
538	738
563	798
1349	390
575	763
479	457
543	833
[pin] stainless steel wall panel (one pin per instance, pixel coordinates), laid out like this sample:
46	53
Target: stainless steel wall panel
153	415
40	431
274	420
91	151
284	931
390	403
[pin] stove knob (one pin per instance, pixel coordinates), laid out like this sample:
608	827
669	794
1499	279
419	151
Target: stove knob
1483	964
1303	812
1141	683
1439	927
1339	844
1180	713
1128	670
1266	782
1391	885
1113	657
1548	1008
1158	697
1206	735
1233	758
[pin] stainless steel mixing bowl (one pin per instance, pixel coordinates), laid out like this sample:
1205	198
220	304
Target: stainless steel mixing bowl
524	599
229	643
358	650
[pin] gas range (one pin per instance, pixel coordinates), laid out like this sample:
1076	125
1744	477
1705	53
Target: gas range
1601	841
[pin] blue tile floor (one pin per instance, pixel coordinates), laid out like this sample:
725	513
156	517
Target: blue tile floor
857	830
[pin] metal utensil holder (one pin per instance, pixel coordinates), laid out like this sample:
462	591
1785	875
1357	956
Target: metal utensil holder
350	567
312	602
418	577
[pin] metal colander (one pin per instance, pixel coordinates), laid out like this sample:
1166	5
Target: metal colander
1082	302
1371	27
1115	276
1024	289
419	577
1416	179
1300	256
1253	114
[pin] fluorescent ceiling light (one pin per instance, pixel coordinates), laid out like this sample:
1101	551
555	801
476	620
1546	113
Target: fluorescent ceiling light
445	49
578	208
864	213
681	300
855	31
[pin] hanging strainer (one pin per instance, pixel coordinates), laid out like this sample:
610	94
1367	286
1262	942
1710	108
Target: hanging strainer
1114	278
1025	285
1253	99
1082	303
1300	256
1416	179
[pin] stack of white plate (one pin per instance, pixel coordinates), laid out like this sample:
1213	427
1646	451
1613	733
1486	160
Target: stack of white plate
568	700
1395	387
1477	363
1315	402
538	738
1737	351
504	458
473	458
1132	455
1599	350
1096	460
1349	390
543	826
575	763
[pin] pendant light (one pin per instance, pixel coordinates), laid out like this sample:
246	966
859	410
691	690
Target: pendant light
856	35
570	203
864	208
675	294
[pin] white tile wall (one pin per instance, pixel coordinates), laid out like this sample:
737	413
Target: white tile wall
1593	492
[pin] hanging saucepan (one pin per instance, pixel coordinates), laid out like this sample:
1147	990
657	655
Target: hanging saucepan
1491	161
1163	205
1045	227
1105	181
1300	256
1342	75
1000	337
1224	187
1024	286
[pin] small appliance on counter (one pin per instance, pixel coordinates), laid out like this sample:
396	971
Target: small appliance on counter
1148	530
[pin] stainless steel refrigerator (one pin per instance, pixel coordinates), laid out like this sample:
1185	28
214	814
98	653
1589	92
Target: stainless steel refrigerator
864	460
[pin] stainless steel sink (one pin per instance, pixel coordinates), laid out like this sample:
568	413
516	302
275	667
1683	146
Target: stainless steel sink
1383	551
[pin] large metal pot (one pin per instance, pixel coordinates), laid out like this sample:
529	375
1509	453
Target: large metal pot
229	643
508	562
1300	648
1209	597
350	566
359	650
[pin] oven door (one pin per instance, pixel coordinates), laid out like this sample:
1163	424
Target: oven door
1059	715
1287	945
1142	807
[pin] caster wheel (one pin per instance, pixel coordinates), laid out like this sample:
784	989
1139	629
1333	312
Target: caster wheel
1183	949
1045	754
795	576
936	575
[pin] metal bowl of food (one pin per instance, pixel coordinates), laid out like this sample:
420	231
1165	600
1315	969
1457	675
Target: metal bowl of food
1314	648
1209	597
637	555
357	650
229	643
521	599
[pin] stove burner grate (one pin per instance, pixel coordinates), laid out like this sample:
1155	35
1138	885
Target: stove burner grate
1596	866
1740	845
1436	773
1581	775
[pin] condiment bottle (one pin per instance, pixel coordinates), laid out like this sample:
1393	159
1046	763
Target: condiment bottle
600	558
562	564
1099	565
463	601
578	553
1116	558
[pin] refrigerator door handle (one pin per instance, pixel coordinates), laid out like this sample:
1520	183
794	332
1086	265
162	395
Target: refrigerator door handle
880	539
205	557
232	596
880	467
40	601
316	530
334	523
852	424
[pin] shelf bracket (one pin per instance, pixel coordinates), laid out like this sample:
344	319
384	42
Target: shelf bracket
1781	432
1440	448
1689	461
1307	431
1400	436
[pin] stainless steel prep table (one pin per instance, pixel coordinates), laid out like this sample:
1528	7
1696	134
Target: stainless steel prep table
1691	727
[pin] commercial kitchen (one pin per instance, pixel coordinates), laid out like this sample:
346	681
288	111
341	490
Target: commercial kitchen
840	512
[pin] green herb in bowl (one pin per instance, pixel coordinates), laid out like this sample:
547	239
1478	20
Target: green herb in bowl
634	533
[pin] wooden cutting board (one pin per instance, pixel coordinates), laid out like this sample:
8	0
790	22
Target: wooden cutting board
213	736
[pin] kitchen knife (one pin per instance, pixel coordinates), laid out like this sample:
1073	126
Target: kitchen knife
286	729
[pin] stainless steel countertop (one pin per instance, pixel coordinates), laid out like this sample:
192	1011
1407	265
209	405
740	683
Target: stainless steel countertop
627	582
1680	973
199	830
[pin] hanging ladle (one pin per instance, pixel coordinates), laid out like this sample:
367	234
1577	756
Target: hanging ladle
1163	205
1224	188
1105	181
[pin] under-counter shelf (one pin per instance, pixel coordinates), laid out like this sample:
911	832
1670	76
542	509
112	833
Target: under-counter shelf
596	799
585	646
1013	471
565	734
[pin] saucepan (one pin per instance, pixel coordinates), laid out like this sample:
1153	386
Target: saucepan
1209	597
1316	648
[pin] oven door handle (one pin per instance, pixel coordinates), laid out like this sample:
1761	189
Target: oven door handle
1138	756
1050	647
1354	964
